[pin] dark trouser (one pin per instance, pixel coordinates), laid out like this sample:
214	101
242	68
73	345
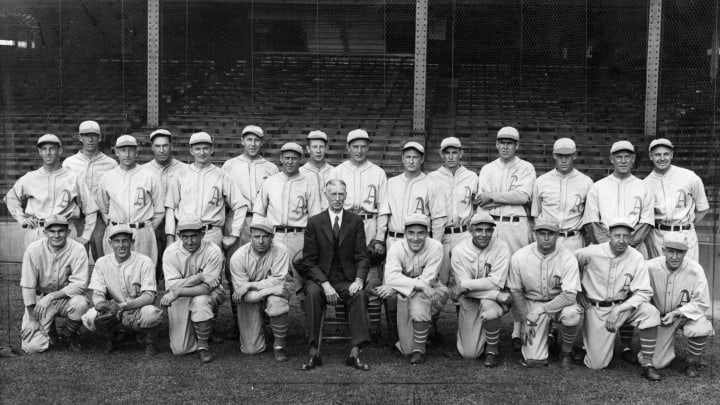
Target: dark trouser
161	240
315	302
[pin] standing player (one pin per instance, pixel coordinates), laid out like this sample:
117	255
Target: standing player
53	277
316	167
288	199
559	195
366	192
258	271
504	190
617	290
90	164
681	294
680	200
51	190
130	195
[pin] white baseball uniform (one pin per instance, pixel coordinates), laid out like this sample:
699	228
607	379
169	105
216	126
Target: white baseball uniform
320	176
179	264
609	280
132	197
685	290
679	193
511	185
267	271
548	281
470	265
46	193
366	191
561	198
45	271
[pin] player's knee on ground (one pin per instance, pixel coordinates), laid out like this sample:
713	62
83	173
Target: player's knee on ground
150	317
420	308
276	306
570	315
38	342
201	308
646	316
698	328
491	310
77	306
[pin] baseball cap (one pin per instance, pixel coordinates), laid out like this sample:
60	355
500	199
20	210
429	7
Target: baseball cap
482	217
253	129
56	220
450	142
414	145
190	224
48	138
200	137
508	133
661	142
676	240
262	223
417	219
622	145
89	127
292	147
546	224
564	146
357	134
620	221
160	132
125	140
120	229
317	135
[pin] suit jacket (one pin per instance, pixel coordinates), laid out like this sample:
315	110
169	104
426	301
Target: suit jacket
319	247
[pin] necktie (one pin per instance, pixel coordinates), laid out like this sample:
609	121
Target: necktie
336	226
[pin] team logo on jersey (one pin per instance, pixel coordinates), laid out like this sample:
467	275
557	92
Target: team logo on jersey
682	199
578	205
628	280
64	199
486	269
215	200
556	282
684	297
419	206
301	206
140	197
372	195
68	270
468	196
637	207
513	181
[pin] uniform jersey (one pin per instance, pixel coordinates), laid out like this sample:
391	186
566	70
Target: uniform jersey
366	186
130	196
412	196
179	263
59	192
405	269
90	169
629	198
543	277
458	190
561	198
287	201
605	277
267	270
678	194
123	281
685	289
164	174
45	271
470	263
511	184
249	175
204	193
321	177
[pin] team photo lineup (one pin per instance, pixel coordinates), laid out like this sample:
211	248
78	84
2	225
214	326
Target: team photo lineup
118	248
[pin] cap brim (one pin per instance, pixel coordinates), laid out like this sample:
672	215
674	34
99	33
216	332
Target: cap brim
676	245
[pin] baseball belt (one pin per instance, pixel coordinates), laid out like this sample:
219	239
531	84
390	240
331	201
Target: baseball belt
41	223
605	304
673	228
567	234
367	216
506	219
396	234
289	229
455	229
137	225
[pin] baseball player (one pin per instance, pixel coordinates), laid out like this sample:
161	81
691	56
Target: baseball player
411	275
559	195
90	164
130	195
53	277
504	190
126	278
366	192
616	290
316	167
258	271
51	190
287	199
193	270
681	294
249	170
480	267
163	167
680	200
544	281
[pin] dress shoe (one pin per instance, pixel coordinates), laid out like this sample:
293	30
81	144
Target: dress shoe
691	370
205	356
355	362
491	360
315	361
516	344
650	373
417	358
280	354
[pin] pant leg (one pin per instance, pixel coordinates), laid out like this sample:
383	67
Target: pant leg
665	345
599	343
470	339
357	306
404	325
251	322
313	306
572	243
146	243
538	348
146	317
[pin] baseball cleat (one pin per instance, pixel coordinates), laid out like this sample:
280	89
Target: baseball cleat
280	354
566	360
491	360
205	356
629	356
650	373
417	358
691	370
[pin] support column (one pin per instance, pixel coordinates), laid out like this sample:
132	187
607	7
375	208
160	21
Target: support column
653	67
421	22
153	64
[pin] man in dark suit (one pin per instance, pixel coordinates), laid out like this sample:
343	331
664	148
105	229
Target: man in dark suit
335	266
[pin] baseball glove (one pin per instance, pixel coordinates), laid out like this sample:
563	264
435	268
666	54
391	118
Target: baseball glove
108	316
376	259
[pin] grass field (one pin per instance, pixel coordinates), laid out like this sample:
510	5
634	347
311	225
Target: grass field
127	376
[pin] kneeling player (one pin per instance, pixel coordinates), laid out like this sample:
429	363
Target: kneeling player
680	292
127	278
192	269
411	271
544	281
258	270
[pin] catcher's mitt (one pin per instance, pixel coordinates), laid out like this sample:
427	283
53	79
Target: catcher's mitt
376	259
108	316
